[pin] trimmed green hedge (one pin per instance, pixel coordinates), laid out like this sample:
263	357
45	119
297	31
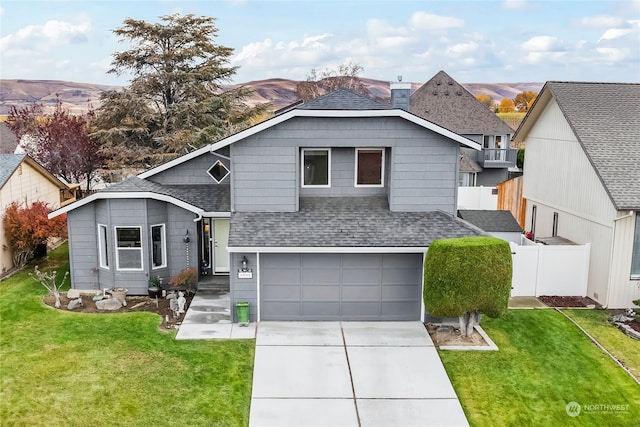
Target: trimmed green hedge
466	274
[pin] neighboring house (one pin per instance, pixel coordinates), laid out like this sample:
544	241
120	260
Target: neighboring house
499	224
8	141
25	181
323	212
447	103
582	179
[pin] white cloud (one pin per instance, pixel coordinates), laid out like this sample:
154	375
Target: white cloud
613	54
39	38
462	48
429	22
600	21
542	44
515	4
616	33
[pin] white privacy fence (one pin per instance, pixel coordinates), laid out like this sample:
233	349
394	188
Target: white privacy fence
478	198
549	269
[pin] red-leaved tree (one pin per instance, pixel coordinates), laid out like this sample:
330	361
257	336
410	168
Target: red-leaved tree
59	141
27	227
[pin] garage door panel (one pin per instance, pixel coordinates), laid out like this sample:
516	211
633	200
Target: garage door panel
281	276
360	276
400	276
281	260
320	310
362	261
282	292
361	293
401	260
396	292
361	309
316	276
399	308
321	261
274	310
321	293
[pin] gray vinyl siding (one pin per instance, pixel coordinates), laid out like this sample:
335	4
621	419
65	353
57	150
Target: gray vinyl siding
420	175
84	251
492	177
192	172
424	176
244	290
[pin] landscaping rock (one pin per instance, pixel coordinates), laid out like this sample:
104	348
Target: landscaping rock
74	303
73	294
108	304
622	318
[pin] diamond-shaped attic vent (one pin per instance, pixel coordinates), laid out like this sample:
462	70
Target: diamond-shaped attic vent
218	171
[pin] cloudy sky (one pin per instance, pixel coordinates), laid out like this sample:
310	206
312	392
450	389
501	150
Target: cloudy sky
477	41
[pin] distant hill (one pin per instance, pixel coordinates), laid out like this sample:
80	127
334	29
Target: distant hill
278	92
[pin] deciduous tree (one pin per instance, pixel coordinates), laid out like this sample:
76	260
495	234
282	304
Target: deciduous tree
174	101
59	141
27	227
345	76
487	101
506	106
523	99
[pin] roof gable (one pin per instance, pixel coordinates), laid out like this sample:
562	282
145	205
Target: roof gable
447	103
604	119
10	162
343	99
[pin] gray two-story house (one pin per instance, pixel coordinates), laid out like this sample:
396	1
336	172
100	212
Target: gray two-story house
323	212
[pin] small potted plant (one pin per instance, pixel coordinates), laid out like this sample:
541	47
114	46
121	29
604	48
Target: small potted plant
184	279
154	286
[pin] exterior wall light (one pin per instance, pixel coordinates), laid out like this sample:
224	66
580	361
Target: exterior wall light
186	238
244	262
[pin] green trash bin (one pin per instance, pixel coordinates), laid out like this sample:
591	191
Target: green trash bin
242	311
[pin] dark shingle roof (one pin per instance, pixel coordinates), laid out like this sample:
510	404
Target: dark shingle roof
210	198
344	222
447	103
343	99
8	164
496	221
467	164
8	141
604	118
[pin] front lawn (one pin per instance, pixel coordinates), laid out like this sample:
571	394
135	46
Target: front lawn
596	323
64	368
544	363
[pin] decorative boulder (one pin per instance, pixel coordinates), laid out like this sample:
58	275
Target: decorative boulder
108	304
74	304
73	294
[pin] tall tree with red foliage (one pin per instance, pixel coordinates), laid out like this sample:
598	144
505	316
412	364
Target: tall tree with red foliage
27	227
59	141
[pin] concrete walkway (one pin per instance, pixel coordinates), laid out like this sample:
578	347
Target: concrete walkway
209	317
364	374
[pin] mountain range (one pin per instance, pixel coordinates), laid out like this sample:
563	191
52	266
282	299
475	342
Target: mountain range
79	97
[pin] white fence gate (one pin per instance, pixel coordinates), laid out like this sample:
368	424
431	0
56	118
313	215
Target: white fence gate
549	269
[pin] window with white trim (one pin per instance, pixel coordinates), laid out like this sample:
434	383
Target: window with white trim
316	167
218	172
635	256
369	167
158	246
129	248
103	246
467	179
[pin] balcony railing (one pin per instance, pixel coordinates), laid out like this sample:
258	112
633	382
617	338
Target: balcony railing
497	157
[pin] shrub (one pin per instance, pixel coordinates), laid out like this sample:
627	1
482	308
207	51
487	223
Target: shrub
467	276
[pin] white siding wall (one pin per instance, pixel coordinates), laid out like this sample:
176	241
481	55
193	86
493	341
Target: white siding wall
559	178
25	185
623	290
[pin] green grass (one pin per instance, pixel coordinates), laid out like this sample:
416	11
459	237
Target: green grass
596	323
73	369
544	362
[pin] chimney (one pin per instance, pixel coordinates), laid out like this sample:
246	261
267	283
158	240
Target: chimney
400	93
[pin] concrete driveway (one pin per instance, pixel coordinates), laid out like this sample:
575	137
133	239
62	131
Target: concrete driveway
350	374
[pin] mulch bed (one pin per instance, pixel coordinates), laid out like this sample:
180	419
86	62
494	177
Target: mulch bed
134	304
451	336
568	302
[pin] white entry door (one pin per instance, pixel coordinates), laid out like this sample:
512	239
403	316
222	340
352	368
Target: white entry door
220	242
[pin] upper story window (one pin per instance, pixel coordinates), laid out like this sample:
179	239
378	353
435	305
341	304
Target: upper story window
129	248
467	179
316	167
369	167
218	172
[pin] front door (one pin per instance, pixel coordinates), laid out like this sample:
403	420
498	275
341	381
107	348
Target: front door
220	241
